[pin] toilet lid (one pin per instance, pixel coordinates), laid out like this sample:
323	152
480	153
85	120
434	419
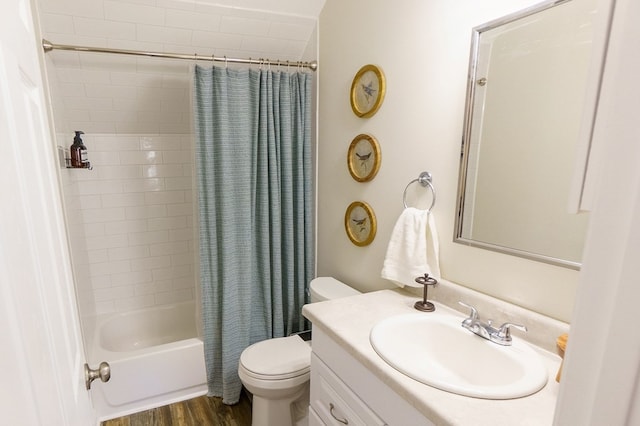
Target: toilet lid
278	358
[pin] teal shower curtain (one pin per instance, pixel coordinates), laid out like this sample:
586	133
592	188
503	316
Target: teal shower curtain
254	172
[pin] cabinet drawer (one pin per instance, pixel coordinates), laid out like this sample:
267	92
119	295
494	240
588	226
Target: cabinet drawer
334	402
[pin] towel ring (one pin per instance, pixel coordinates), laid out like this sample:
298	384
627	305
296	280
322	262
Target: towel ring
425	180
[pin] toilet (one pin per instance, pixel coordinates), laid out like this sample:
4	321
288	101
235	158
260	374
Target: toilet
276	371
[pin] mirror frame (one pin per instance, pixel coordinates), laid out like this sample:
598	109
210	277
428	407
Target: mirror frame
466	135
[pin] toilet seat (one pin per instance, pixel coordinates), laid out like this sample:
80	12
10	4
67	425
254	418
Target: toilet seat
279	358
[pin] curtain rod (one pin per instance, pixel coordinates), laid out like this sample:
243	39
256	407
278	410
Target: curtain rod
48	46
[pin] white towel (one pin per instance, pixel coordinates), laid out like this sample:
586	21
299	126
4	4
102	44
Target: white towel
413	249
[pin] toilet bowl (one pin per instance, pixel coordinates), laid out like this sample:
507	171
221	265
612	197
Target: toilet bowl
276	371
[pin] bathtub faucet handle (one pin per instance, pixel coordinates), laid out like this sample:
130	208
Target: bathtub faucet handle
103	371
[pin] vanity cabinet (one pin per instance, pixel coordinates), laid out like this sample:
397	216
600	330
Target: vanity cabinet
344	391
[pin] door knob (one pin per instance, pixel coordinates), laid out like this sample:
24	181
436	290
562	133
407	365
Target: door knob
103	371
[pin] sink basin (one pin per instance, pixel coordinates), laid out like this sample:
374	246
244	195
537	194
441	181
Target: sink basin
435	350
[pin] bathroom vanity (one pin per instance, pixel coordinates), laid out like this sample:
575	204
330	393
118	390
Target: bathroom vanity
351	383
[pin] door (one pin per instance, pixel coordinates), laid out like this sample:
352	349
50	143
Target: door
42	355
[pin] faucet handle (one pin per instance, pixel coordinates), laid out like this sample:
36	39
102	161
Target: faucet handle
473	316
504	333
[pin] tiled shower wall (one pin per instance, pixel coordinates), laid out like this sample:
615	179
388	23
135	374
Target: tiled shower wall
135	209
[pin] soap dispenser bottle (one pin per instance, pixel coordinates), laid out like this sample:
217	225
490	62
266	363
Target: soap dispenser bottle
79	158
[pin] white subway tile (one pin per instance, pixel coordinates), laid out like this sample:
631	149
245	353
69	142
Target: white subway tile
133	127
135	45
178	183
266	45
163	285
89	8
106	268
186	282
108	63
99	187
94	230
92	127
160	143
101	281
292	31
144	185
105	307
153	238
113	293
130	278
101	28
182	259
145	288
173	272
192	21
164	197
168	248
103	215
162	170
184	209
150	263
167	223
56	23
123	253
244	26
143	157
134	303
72	89
172	128
122	200
76	102
153	33
117	144
106	242
98	256
91	202
109	91
174	296
177	4
136	13
113	173
218	41
147	212
101	158
184	234
125	227
177	157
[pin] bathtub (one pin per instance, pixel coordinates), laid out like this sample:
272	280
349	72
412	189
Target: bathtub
156	358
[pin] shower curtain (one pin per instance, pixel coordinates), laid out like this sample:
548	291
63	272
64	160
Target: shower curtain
254	171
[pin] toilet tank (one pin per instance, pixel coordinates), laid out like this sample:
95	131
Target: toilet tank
327	288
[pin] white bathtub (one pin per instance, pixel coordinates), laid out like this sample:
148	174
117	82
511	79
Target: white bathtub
155	356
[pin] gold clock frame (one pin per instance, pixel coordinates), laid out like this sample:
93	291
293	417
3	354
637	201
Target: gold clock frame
370	215
382	87
351	158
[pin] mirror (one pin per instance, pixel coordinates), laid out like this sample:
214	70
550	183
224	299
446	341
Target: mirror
526	96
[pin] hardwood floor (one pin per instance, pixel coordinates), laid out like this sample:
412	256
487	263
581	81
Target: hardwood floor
194	412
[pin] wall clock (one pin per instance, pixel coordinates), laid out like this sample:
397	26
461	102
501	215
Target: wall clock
360	223
363	158
367	91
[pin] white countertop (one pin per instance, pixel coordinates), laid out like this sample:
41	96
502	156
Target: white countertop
348	321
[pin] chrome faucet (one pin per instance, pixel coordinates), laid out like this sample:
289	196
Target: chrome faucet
501	336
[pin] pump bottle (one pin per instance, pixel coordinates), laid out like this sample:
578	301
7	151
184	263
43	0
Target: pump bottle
79	158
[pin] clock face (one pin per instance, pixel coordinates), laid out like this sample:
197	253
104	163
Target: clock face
367	91
360	223
363	158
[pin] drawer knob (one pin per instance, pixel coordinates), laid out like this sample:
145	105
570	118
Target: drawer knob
331	408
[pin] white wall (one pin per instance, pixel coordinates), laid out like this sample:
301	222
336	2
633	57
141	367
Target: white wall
423	48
